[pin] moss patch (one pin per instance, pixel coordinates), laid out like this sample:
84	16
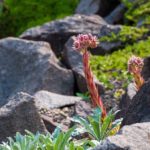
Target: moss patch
114	67
127	34
138	11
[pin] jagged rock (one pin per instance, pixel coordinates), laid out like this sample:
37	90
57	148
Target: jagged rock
58	117
73	60
133	137
30	66
126	99
139	108
116	15
58	32
49	100
146	69
18	115
101	7
105	47
88	7
83	108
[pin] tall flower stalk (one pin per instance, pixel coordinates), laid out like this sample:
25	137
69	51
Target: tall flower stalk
135	65
81	43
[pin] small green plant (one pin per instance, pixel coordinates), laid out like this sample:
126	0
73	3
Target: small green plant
84	96
96	128
56	141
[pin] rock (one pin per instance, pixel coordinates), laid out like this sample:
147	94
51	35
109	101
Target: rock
30	66
146	69
83	108
126	99
58	117
49	100
116	16
88	7
105	47
101	7
18	115
58	32
73	60
133	137
139	108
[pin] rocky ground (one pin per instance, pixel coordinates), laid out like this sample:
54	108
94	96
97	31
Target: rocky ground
40	74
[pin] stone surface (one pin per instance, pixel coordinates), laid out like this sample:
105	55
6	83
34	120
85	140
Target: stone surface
30	66
105	47
58	117
139	108
133	137
18	115
116	16
49	100
88	7
83	108
146	69
73	59
126	99
58	32
101	7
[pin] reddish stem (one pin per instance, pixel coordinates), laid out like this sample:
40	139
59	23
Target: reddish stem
96	99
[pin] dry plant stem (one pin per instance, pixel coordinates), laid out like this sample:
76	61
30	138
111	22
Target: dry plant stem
96	99
139	81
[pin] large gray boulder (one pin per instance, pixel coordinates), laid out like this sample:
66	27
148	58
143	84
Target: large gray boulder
30	66
133	137
49	100
18	115
139	108
73	60
59	31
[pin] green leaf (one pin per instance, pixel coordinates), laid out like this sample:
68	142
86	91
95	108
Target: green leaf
56	133
95	126
66	138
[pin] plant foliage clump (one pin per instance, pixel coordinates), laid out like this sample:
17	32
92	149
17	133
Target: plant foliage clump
138	11
127	34
18	15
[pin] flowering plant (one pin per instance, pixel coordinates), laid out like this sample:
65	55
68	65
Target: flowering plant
135	65
81	43
100	124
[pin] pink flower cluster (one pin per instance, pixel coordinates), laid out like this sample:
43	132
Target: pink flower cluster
84	41
135	65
